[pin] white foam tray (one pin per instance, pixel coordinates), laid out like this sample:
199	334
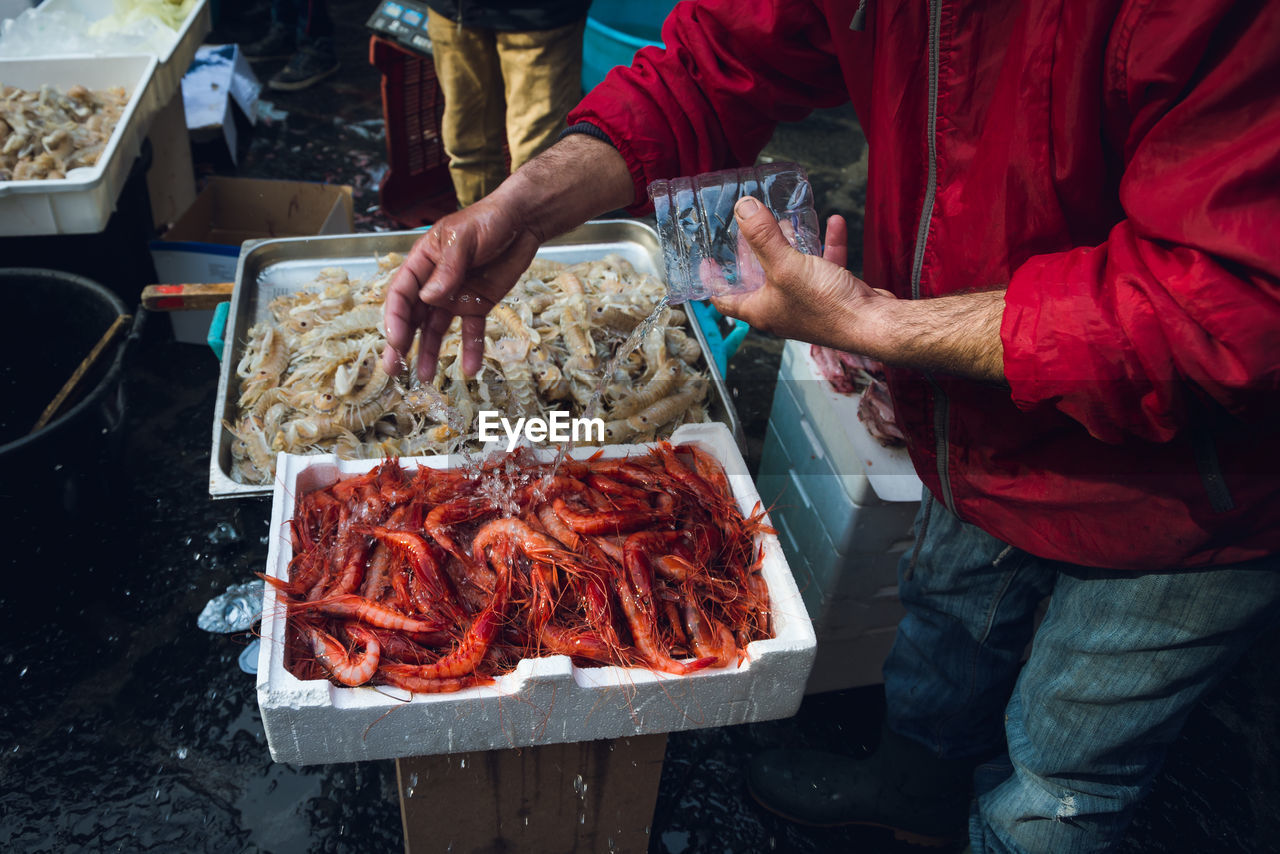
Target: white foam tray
82	202
173	62
890	470
545	700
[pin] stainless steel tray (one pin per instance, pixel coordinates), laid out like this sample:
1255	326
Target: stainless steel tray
270	268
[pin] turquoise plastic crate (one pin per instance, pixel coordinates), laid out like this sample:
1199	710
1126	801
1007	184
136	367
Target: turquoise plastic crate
615	31
218	329
721	344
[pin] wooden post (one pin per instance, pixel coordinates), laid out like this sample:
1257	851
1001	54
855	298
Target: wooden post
590	796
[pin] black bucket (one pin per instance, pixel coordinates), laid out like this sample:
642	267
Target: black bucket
56	319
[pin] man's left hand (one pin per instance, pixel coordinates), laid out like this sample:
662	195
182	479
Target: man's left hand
819	301
803	297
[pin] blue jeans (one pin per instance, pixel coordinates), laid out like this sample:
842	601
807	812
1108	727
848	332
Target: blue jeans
1073	738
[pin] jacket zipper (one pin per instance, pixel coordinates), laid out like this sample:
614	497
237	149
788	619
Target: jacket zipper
941	405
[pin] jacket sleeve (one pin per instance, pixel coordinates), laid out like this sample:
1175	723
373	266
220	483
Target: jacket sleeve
729	73
1181	304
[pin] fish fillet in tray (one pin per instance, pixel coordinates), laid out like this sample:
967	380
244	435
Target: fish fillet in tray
544	700
271	268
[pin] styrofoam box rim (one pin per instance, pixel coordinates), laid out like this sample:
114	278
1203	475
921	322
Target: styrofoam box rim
84	203
281	695
890	470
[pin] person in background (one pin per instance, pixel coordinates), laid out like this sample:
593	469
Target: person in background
1072	273
302	32
510	72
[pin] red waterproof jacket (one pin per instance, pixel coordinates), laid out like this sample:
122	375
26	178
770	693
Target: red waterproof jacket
1115	164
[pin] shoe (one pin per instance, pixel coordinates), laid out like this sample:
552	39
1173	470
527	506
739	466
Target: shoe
278	43
305	68
902	786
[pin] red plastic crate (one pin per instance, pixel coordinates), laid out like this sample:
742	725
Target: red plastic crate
417	189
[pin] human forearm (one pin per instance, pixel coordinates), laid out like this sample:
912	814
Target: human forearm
578	178
957	334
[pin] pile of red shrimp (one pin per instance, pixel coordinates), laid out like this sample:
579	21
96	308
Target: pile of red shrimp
437	580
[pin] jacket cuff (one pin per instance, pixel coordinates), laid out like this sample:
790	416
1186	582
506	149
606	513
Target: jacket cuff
586	128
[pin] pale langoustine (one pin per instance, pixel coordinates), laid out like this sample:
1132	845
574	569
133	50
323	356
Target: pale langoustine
311	380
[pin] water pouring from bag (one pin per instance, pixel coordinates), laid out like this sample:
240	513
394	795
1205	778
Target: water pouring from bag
704	254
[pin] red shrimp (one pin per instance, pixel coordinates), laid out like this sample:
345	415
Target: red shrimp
394	486
609	486
377	573
634	473
638	552
587	578
606	521
463	510
558	640
542	550
688	479
709	469
398	648
469	652
544	488
344	667
644	630
610	546
354	552
426	569
406	676
710	637
358	608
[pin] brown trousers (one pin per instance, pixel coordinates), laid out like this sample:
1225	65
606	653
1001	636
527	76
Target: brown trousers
513	87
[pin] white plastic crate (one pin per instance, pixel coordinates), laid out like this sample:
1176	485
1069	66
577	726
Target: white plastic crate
82	202
545	700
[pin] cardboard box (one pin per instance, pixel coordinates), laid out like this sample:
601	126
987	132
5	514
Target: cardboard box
219	77
204	244
545	700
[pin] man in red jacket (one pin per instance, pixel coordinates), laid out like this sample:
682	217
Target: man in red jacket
1071	268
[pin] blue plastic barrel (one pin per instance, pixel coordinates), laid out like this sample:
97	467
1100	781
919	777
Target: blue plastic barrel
616	29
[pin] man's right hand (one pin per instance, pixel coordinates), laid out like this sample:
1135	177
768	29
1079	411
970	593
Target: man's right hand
469	260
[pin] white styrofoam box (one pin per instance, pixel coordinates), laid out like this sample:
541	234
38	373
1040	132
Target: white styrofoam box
13	8
811	485
834	417
849	568
171	63
545	700
843	592
82	202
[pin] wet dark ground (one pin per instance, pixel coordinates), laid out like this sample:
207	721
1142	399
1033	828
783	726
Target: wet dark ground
127	728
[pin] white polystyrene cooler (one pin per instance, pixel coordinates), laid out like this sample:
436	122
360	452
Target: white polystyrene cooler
843	506
172	62
545	700
82	202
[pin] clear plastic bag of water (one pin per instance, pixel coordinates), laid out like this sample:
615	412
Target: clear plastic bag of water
703	252
236	610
